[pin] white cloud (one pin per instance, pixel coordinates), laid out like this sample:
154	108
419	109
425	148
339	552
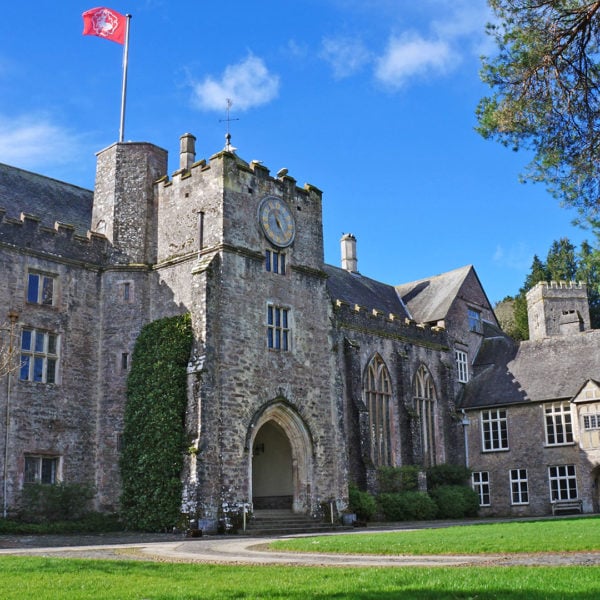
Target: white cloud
346	55
247	84
33	141
466	21
411	55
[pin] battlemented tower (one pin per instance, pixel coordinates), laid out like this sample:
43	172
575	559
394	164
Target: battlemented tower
557	308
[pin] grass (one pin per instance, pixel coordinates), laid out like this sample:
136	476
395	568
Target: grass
561	535
41	578
67	579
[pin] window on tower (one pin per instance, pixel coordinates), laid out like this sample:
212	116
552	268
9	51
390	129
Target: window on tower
278	328
275	262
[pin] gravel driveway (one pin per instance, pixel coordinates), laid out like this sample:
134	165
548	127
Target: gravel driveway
248	550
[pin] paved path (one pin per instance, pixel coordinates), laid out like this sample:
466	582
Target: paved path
246	550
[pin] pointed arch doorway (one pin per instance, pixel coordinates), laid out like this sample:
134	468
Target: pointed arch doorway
281	463
272	470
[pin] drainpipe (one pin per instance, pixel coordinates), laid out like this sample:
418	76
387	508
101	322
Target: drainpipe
13	317
465	423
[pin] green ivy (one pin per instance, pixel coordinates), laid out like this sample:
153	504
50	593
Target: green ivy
154	425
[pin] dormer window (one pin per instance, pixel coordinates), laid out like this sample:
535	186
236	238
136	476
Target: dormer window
474	317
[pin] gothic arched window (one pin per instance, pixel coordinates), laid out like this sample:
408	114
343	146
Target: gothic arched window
424	393
378	394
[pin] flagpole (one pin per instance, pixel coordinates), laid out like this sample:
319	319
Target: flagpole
124	90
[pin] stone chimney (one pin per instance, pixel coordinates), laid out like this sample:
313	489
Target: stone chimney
557	308
349	260
187	151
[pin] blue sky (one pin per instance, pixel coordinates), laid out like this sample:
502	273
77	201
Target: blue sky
371	101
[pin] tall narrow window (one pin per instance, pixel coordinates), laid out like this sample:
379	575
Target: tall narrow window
424	393
39	356
559	428
275	262
40	289
519	493
480	481
494	430
278	332
125	291
378	394
563	482
462	365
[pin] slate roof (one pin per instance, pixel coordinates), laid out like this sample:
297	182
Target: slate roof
429	300
46	198
533	371
354	288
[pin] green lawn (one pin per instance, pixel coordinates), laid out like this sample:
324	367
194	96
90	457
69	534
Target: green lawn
40	578
560	535
57	579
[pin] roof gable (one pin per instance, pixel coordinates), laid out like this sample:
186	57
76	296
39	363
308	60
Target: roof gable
429	300
588	392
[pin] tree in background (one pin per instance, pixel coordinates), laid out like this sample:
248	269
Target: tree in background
545	82
563	263
588	269
537	273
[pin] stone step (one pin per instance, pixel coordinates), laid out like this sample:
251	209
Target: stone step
282	522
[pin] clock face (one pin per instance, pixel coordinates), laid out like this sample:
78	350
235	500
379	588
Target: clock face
277	221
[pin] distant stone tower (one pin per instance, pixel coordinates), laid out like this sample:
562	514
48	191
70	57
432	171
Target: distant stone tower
557	308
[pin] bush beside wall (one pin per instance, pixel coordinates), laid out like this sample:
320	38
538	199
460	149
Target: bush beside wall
154	425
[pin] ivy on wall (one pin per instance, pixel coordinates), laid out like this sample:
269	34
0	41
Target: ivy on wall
154	425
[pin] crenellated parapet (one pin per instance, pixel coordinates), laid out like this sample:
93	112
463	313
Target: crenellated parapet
388	325
201	199
570	285
28	234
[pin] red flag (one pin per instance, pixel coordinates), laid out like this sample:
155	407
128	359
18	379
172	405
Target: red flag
105	23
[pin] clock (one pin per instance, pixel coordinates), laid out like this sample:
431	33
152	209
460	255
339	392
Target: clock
277	221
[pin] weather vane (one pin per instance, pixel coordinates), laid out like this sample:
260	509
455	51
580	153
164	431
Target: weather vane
228	146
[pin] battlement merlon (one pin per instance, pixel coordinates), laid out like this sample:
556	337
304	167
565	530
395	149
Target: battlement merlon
360	318
558	289
61	242
224	160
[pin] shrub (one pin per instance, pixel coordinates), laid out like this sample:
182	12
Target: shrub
93	522
447	475
455	501
393	480
407	506
61	502
361	503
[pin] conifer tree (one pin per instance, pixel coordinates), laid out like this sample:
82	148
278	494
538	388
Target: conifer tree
545	93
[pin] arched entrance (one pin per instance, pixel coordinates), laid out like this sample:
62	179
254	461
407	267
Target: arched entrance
281	461
272	480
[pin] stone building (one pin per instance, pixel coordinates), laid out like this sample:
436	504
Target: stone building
303	376
533	433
